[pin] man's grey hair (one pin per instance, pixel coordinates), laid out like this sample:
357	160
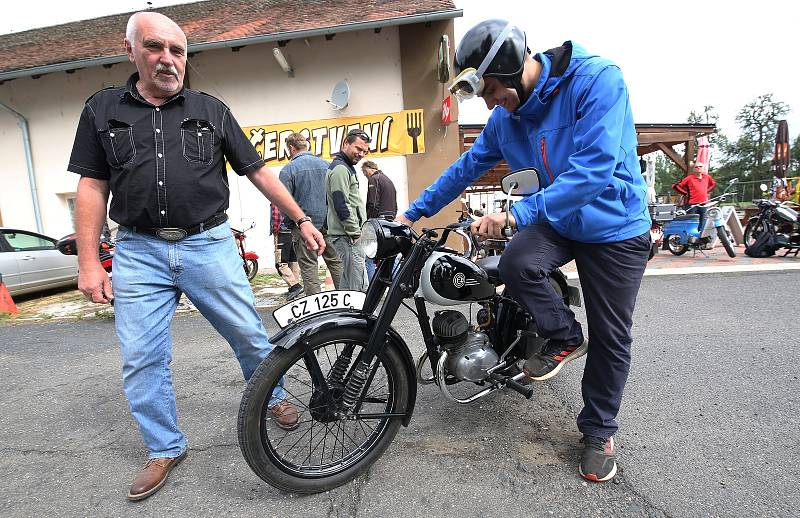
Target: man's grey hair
131	30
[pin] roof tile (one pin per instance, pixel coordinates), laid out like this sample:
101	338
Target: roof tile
203	22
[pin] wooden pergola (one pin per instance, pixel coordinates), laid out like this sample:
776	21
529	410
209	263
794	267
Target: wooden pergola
651	137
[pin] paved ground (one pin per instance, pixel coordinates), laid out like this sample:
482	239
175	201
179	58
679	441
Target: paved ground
710	423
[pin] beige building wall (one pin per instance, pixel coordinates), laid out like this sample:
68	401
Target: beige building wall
418	48
249	81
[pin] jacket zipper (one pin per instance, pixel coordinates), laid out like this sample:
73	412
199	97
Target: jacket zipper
546	165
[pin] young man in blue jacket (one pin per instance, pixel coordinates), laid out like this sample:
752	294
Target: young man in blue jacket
566	113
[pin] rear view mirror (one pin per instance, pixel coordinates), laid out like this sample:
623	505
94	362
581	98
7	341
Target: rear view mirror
522	182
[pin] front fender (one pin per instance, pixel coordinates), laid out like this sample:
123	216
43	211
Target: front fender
295	336
251	255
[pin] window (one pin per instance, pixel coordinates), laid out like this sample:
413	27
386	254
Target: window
22	241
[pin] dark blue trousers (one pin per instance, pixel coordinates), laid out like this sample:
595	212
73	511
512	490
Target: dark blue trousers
610	275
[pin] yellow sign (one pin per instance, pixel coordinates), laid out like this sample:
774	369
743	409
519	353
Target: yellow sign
391	134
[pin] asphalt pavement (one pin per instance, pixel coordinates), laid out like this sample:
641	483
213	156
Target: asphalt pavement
709	424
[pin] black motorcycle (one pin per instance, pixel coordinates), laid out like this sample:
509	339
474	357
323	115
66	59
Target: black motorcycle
775	227
352	377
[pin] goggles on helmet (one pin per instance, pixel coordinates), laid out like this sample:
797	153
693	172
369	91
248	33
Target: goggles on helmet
469	82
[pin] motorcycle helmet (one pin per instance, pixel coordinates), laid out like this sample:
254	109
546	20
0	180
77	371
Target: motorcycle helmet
493	48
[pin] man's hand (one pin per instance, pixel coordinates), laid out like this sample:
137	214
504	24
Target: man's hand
491	226
404	220
313	238
95	284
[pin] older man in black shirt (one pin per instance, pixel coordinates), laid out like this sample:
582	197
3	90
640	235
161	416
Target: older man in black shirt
161	148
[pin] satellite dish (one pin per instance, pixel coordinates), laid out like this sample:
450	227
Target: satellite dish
340	95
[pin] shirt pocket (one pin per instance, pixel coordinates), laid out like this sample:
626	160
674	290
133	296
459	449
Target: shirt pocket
118	142
197	141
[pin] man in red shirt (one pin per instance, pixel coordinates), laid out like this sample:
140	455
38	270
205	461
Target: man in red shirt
695	188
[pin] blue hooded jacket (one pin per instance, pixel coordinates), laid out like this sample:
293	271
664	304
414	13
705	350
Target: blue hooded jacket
577	130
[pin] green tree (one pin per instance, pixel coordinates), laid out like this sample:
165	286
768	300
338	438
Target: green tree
749	157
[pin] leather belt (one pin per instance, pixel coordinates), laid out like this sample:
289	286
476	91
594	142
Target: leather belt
178	233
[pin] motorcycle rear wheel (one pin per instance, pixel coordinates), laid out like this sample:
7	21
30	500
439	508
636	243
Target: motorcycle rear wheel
674	246
324	451
722	234
250	268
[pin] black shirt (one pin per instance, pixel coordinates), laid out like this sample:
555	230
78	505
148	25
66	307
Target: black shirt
165	164
381	196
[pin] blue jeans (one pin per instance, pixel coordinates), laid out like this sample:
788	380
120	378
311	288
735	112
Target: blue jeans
371	268
149	276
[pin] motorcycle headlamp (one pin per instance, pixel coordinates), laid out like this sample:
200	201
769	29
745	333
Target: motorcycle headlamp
381	238
469	82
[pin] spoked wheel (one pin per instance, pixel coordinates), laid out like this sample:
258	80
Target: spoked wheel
754	228
330	445
675	246
723	236
250	268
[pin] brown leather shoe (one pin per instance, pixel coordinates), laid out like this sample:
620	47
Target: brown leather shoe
152	476
286	415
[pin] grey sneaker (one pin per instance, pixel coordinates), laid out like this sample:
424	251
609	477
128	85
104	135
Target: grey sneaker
546	363
599	459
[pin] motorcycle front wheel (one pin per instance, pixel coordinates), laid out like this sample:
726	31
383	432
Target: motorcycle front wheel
329	446
722	234
250	268
754	228
674	245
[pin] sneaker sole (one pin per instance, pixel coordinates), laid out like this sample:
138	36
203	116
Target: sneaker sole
577	353
594	478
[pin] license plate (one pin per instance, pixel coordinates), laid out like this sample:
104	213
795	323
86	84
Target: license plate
313	304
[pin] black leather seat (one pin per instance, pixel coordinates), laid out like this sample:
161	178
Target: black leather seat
491	265
687	217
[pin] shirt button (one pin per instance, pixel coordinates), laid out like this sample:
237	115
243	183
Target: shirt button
160	183
163	212
158	109
199	134
111	135
160	155
158	130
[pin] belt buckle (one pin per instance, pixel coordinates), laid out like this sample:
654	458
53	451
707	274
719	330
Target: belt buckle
171	234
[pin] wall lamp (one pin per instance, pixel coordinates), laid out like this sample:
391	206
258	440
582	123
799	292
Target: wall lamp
281	59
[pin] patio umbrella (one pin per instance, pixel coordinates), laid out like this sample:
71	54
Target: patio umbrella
780	162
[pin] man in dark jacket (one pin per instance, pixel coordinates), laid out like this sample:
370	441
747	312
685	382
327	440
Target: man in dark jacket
381	200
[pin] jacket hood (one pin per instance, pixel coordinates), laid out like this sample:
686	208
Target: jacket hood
558	65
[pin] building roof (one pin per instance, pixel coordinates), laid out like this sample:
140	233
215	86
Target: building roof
208	24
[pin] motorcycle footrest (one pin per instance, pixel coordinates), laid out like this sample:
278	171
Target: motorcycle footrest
513	384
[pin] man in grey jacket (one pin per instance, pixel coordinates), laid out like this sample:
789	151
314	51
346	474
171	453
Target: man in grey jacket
346	209
304	178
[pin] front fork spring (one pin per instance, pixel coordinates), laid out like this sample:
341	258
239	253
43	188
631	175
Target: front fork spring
340	365
355	385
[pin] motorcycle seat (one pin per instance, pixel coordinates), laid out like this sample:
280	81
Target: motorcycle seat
491	265
687	217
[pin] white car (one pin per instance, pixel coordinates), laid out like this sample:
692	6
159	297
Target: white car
30	262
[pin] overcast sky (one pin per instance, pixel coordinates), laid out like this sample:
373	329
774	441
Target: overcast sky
676	56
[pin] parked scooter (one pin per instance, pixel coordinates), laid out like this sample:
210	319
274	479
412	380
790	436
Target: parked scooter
68	245
682	234
249	259
776	226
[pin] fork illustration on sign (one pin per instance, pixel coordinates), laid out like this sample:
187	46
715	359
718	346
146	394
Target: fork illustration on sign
414	126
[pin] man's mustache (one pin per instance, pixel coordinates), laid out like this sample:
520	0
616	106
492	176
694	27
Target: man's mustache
164	69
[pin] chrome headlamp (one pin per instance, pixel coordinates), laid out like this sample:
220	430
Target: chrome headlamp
381	238
469	82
